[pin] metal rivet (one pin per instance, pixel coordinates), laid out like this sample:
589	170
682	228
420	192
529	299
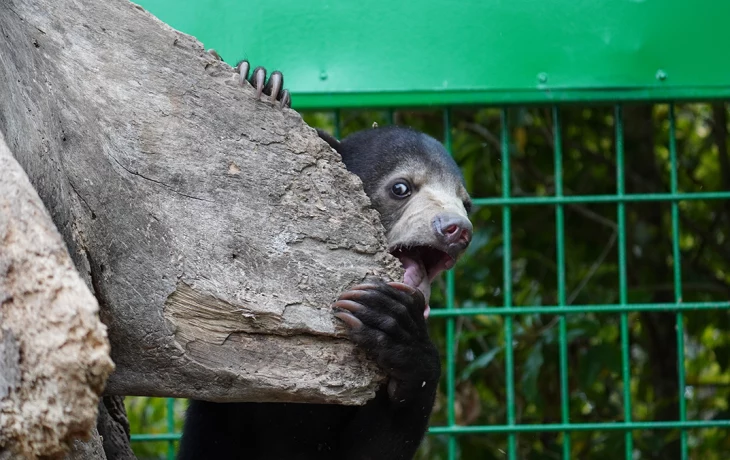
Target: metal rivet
323	76
661	75
542	77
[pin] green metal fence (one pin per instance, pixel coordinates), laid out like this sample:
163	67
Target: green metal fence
508	310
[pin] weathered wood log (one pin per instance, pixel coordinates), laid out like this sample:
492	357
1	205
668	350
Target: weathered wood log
90	450
217	229
114	429
54	352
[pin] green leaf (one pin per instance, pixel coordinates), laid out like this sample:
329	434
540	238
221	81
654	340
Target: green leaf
480	363
531	372
600	357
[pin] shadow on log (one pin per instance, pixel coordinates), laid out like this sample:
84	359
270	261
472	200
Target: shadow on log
215	228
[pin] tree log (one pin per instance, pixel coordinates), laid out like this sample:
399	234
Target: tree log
114	429
217	229
54	352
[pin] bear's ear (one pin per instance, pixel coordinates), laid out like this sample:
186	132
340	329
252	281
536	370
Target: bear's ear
334	143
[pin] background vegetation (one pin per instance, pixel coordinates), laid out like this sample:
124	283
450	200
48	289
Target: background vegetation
595	384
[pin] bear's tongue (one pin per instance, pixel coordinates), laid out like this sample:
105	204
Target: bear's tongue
416	276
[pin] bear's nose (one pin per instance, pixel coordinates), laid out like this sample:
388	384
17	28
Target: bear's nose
453	229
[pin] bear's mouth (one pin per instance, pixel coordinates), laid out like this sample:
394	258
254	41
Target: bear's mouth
422	264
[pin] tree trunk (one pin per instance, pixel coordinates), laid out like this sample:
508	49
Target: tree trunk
54	352
113	428
216	229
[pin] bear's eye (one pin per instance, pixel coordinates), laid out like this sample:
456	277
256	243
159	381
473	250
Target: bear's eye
401	189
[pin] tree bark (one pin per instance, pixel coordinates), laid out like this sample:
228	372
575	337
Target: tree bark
93	449
216	229
54	352
113	428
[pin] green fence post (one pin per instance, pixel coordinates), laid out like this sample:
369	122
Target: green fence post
338	124
507	288
622	280
677	266
450	332
170	427
560	258
391	120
